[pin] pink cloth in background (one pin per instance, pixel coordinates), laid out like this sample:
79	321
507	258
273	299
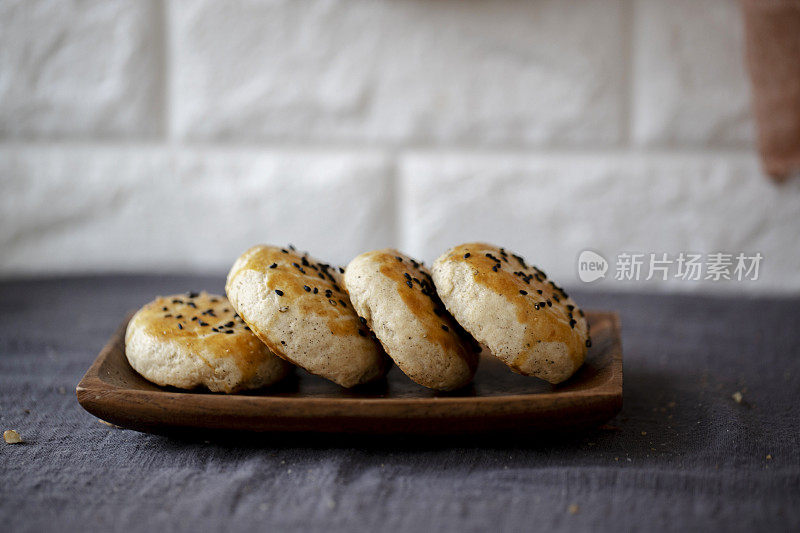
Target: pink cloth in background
773	57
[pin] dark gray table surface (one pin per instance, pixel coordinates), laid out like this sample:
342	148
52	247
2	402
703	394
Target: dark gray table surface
682	455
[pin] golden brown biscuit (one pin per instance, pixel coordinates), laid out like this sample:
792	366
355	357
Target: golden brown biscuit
394	294
188	340
524	319
299	308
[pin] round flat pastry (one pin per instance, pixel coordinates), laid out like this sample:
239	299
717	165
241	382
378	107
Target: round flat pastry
299	308
194	339
394	294
525	320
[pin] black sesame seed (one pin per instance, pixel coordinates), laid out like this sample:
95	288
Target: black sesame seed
164	308
399	258
247	328
180	326
570	307
214	300
304	261
536	306
229	331
192	305
523	292
445	328
177	301
167	315
284	251
279	292
178	316
330	300
343	304
362	320
406	275
283	342
341	270
410	284
194	294
316	290
539	291
229	324
466	255
194	318
572	323
273	265
549	303
291	247
215	329
306	288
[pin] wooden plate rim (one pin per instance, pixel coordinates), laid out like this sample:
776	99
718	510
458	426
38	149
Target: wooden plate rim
94	393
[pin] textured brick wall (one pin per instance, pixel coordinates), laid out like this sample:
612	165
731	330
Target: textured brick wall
169	135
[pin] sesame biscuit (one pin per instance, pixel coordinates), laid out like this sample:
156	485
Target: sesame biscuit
194	339
525	320
299	308
395	297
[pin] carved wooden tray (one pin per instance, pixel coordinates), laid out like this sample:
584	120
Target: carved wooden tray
497	400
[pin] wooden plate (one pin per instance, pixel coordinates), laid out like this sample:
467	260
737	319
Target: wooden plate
497	400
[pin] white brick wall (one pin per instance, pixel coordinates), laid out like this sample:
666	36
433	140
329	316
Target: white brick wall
105	208
88	70
172	134
552	207
689	74
412	71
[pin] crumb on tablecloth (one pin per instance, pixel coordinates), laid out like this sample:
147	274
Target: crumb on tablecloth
11	437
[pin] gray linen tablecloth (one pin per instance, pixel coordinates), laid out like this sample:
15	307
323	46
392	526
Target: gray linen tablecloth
682	455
